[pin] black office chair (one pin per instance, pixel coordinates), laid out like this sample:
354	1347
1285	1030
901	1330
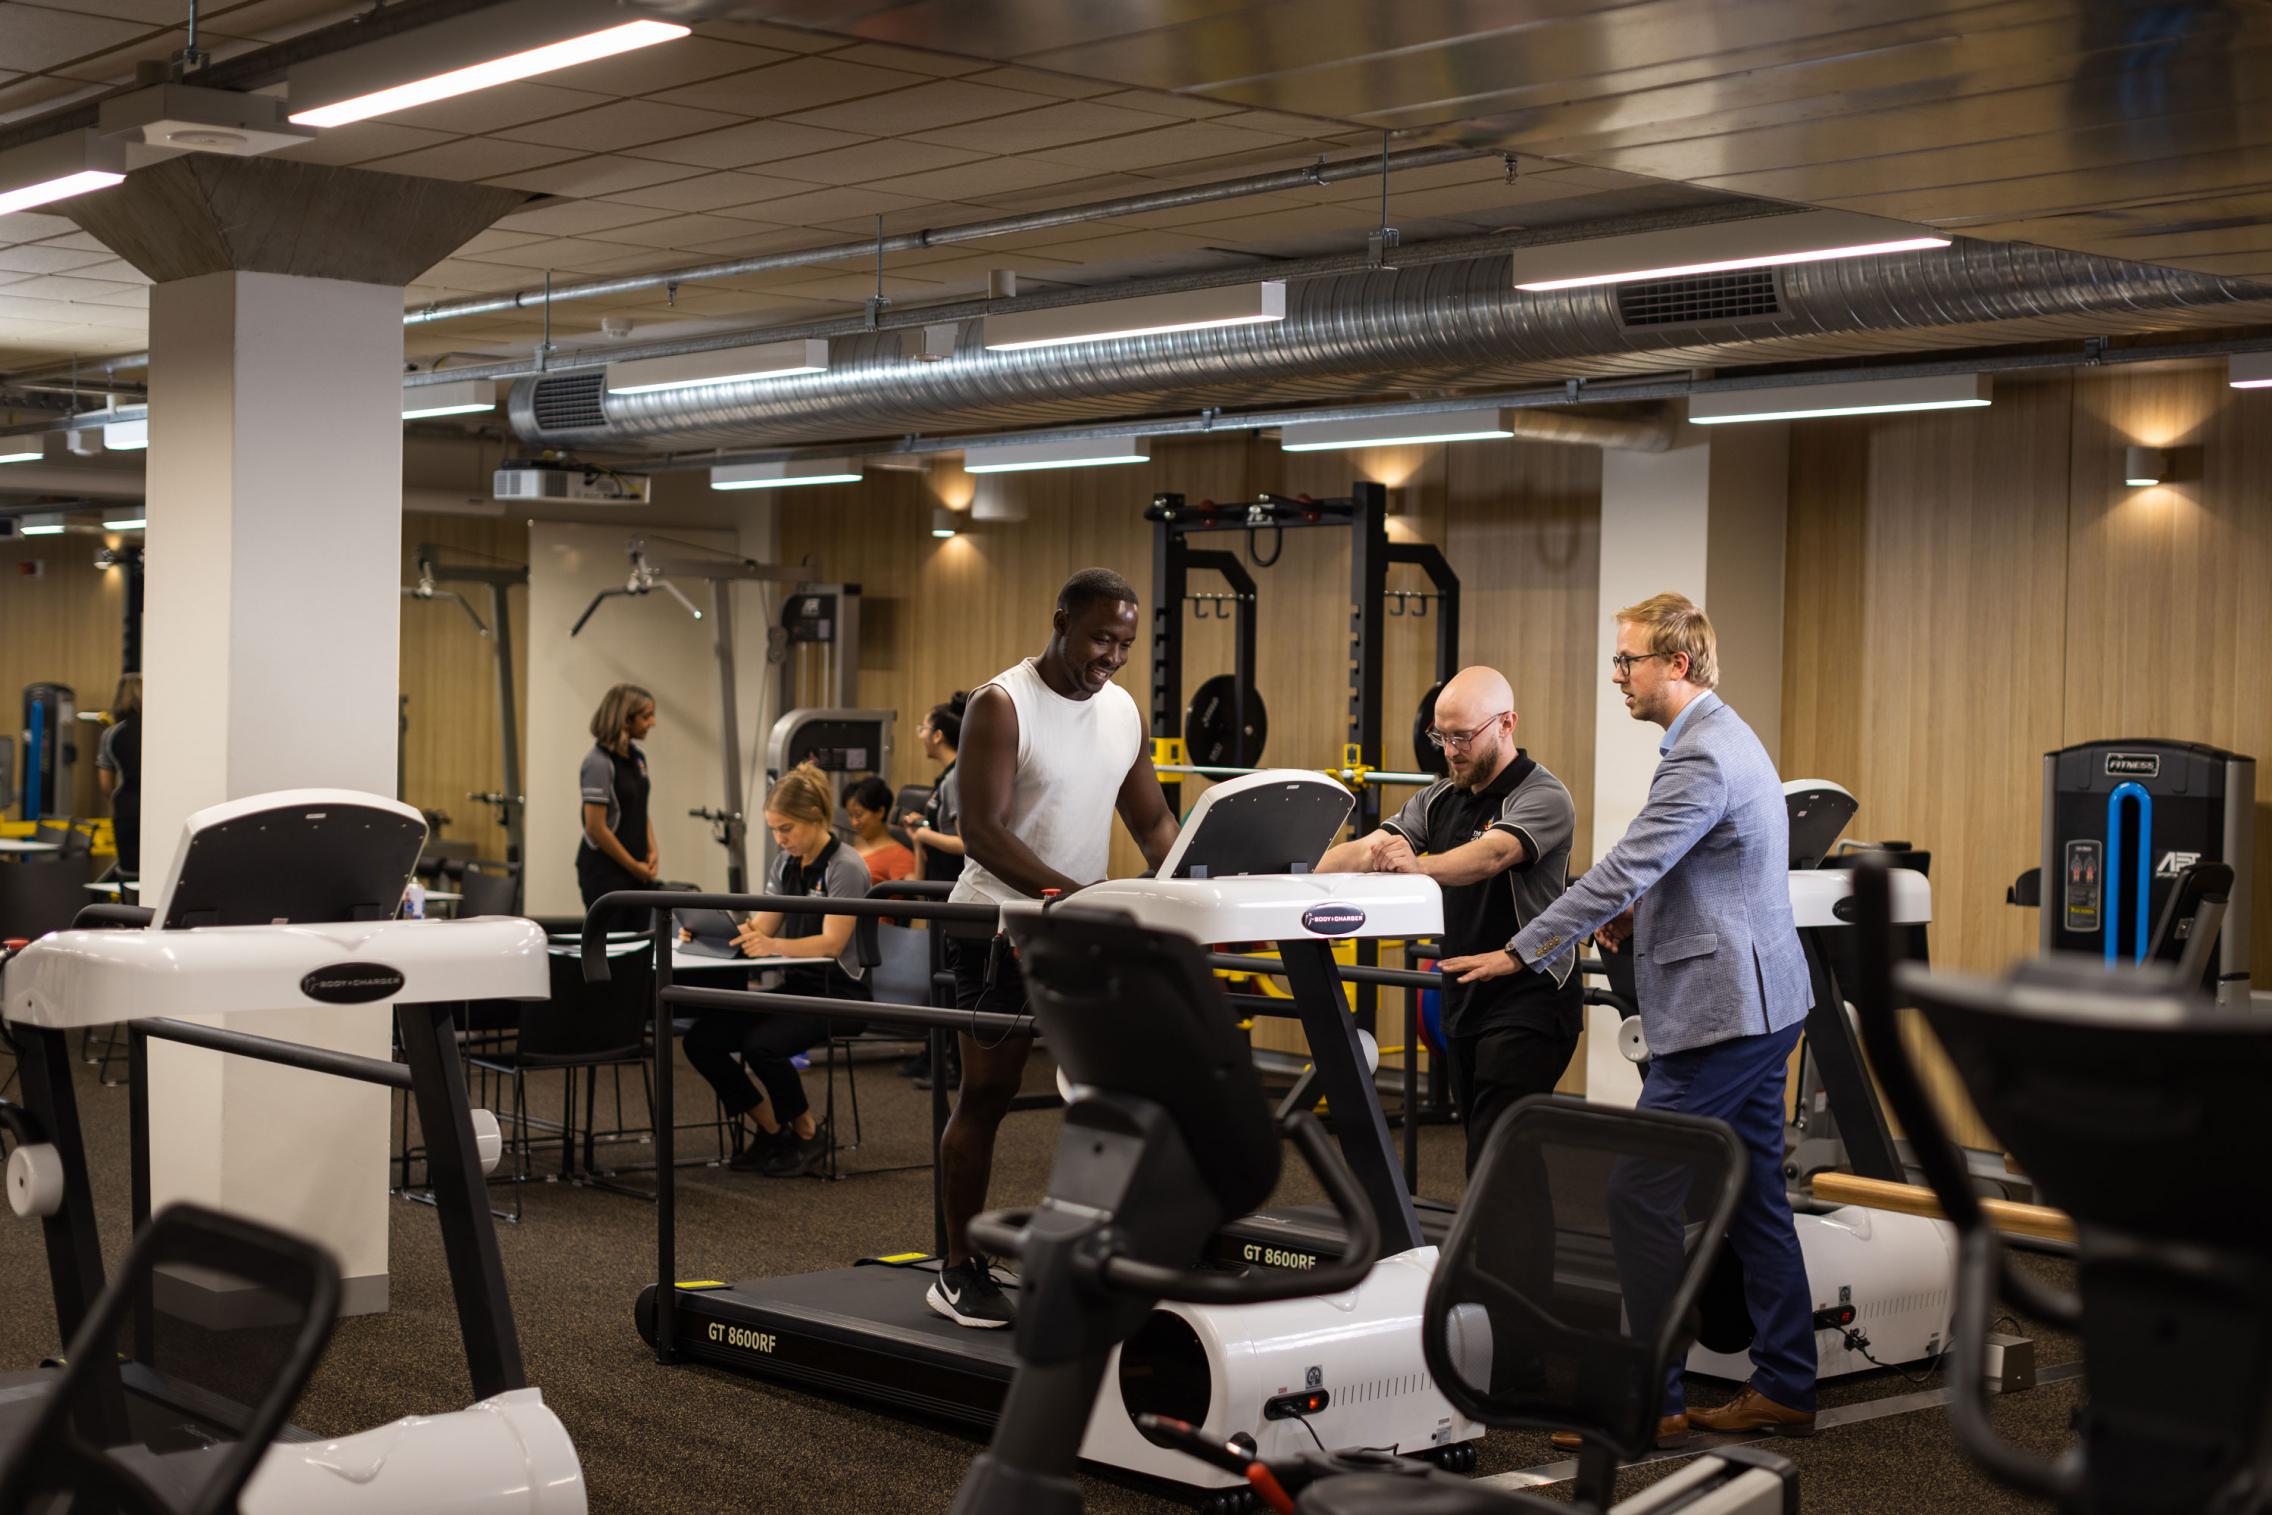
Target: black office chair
72	841
82	1452
582	1027
488	889
2132	1101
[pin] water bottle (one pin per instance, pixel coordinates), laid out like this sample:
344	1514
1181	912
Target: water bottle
414	902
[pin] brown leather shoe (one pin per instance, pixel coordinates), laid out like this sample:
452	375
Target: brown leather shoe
1754	1411
1672	1431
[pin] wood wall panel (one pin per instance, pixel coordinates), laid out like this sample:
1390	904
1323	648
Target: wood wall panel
64	626
2172	585
449	674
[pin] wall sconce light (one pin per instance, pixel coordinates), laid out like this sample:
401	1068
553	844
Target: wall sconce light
944	522
2142	466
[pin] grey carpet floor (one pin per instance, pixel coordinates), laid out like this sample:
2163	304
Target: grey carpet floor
690	1440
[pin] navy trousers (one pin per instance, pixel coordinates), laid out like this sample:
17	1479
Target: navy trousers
1740	1082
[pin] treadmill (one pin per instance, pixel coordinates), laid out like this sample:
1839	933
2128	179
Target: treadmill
1240	871
1896	1270
278	902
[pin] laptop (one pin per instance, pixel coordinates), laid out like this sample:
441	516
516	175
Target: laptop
714	932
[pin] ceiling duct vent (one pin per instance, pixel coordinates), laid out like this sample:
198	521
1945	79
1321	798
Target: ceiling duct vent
1701	299
571	400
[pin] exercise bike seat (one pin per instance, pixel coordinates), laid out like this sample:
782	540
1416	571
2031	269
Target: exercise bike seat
1427	1492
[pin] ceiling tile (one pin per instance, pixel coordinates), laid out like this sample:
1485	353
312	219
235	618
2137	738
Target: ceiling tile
982	180
36	259
680	231
1048	127
572	218
470	158
757	142
818	207
947	102
136	296
118	64
708	192
363	141
31	226
116	270
65	287
623	123
494	240
757	34
1064	86
853	287
870	160
686	61
466	276
594	176
1161	103
38	95
488	110
72	238
915	60
782	88
36	40
1164	145
151	13
1280	124
275	20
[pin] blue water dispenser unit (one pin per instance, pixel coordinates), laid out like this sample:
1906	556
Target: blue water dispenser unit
2122	821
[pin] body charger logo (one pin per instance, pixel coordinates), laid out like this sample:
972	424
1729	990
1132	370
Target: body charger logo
352	983
1332	919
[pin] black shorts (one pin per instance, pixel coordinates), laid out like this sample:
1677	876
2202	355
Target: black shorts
967	959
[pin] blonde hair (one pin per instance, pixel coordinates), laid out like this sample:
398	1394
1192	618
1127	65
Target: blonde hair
128	700
1676	623
617	707
803	794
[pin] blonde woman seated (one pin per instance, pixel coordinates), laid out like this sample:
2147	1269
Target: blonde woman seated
789	1141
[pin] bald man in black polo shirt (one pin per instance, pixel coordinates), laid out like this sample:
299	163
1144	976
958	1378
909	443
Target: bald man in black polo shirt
1496	835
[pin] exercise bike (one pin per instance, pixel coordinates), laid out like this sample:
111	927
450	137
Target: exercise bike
1547	1310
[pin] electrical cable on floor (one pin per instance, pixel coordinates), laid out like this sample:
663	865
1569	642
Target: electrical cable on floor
1858	1340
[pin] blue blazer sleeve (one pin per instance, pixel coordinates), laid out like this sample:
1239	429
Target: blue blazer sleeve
1687	797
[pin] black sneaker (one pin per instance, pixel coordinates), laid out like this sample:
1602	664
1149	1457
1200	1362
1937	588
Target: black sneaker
967	1294
760	1150
918	1066
796	1155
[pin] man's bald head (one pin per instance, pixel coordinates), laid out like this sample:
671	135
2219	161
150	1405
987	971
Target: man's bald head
1475	700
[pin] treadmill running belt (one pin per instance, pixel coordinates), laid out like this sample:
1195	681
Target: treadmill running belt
862	1332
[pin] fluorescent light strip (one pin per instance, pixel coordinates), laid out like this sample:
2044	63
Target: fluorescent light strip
815	478
447	410
126	436
1132	457
22	457
1131	331
2140	483
1441	436
1769	260
56	189
39	531
136	524
2250	384
628	37
2249	370
1836	410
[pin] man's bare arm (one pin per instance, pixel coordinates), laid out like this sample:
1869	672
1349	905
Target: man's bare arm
1143	807
1489	855
989	770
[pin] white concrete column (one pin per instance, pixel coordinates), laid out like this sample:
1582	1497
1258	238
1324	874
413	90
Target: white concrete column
275	506
1706	520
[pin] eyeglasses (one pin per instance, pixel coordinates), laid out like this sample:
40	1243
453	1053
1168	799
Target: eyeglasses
1450	739
1623	661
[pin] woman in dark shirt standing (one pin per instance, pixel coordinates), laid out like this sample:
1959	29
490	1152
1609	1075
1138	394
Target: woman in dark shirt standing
618	850
118	770
936	828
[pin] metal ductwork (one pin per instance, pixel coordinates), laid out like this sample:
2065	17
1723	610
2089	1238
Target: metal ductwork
1422	328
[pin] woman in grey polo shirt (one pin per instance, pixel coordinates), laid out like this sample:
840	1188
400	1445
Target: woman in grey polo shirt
618	850
789	1140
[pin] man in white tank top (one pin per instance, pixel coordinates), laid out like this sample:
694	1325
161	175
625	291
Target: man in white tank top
1050	750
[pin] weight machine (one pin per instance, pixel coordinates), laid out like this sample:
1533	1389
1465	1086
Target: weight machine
817	614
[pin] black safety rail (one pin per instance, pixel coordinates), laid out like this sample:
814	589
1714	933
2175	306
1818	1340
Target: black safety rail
1413	981
661	906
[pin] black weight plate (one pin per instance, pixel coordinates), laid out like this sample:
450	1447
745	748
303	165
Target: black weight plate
1427	757
1210	728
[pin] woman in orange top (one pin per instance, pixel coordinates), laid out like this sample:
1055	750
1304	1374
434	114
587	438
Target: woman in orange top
868	807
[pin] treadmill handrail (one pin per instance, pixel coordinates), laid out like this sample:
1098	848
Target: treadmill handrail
654	901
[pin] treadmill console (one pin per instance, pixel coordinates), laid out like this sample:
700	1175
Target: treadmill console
1819	811
293	857
1280	820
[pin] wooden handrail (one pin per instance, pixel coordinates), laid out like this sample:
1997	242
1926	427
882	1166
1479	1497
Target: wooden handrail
2009	1216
